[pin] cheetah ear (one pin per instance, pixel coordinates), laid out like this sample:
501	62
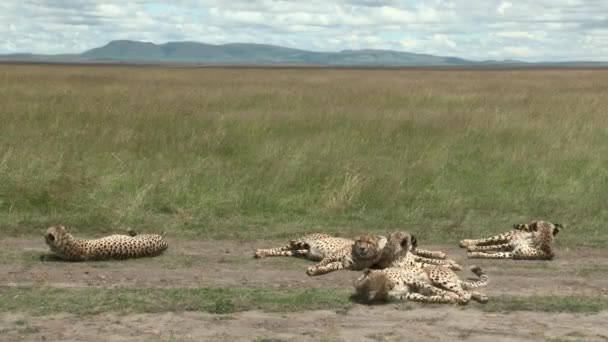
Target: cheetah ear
521	226
414	242
557	228
533	225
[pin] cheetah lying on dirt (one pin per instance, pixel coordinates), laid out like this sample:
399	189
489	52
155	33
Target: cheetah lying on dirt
69	248
409	278
365	252
338	253
428	284
533	241
369	251
313	246
401	251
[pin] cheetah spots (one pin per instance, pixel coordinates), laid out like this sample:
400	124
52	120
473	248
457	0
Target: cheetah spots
111	247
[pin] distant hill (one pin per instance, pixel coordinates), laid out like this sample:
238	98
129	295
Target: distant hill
126	51
190	52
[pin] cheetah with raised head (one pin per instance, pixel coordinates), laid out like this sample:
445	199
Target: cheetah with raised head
365	252
372	251
69	248
533	241
313	246
401	251
416	278
338	253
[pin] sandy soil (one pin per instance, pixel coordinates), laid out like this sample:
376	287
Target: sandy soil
230	263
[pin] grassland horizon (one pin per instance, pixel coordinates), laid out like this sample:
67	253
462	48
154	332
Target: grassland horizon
248	154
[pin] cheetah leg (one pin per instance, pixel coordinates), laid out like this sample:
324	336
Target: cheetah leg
463	296
429	254
326	261
433	290
323	269
417	297
500	238
505	247
447	262
533	254
432	294
280	251
483	255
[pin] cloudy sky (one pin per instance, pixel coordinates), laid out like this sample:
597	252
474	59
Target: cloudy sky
528	30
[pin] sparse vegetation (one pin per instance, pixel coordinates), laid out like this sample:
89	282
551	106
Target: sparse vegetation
236	153
583	304
44	300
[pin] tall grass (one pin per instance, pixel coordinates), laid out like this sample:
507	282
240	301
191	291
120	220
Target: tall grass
237	153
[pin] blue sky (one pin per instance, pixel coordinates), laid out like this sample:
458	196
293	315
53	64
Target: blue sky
525	30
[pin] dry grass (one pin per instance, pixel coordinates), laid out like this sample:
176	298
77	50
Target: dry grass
238	153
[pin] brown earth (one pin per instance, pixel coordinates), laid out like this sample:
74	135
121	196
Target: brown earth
578	271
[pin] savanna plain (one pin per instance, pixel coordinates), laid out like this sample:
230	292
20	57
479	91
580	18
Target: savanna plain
225	161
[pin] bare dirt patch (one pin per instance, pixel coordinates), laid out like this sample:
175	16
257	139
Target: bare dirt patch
362	323
193	264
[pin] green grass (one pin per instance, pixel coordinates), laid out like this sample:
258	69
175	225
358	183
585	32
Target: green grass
582	304
247	154
44	301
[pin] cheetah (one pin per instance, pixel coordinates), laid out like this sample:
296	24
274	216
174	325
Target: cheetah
313	247
533	241
416	278
365	252
428	284
69	248
401	251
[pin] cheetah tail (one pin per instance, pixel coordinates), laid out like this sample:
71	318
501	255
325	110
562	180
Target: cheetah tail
483	278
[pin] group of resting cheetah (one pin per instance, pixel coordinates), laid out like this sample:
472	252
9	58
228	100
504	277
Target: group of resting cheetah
395	268
393	265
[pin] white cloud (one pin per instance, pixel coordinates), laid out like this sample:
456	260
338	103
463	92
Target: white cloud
503	7
442	39
497	29
516	34
518	51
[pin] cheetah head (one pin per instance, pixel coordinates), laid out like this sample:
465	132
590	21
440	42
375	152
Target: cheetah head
539	226
401	240
56	238
367	247
396	246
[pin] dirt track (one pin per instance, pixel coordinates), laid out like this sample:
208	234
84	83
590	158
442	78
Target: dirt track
230	263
